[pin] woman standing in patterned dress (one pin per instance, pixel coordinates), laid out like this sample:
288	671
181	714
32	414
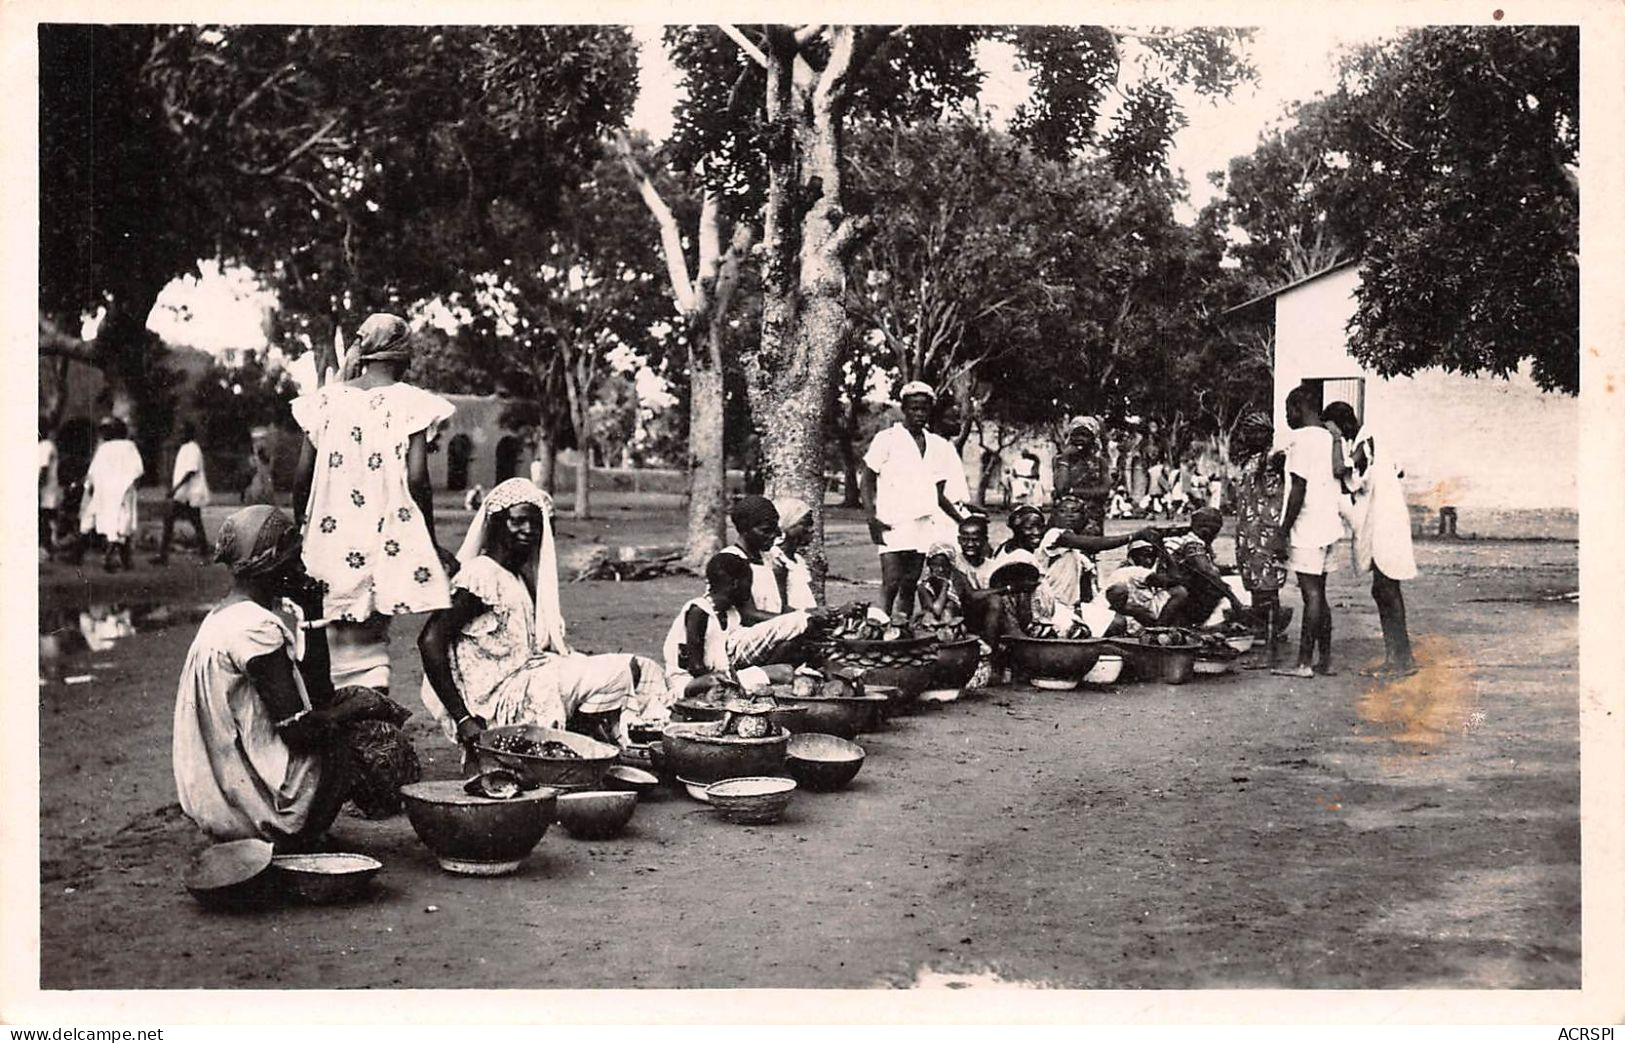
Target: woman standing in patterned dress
1260	497
365	503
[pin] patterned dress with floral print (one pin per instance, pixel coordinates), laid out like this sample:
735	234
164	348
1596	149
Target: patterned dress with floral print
1260	497
365	539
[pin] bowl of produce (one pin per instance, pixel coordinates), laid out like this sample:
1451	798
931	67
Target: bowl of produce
889	654
631	780
785	716
694	752
1054	658
547	756
326	878
476	835
751	801
596	814
823	763
232	875
1107	669
834	706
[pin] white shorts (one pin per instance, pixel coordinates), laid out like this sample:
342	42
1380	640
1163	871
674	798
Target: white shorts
1313	561
915	534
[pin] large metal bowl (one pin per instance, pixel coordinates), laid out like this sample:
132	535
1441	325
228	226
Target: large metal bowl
1054	659
1170	664
562	773
692	754
478	836
906	665
326	878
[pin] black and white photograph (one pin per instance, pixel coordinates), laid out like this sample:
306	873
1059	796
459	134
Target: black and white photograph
918	509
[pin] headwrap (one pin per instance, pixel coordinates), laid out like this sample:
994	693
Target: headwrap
791	510
256	540
917	387
1135	545
382	338
1209	514
947	550
1087	423
1257	422
511	493
751	511
1023	509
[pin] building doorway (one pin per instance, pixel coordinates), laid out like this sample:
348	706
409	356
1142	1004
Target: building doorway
508	449
458	452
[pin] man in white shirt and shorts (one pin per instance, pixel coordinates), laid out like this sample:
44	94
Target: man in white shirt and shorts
188	495
1310	529
907	474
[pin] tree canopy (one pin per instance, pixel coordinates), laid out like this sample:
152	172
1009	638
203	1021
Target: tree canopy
1447	163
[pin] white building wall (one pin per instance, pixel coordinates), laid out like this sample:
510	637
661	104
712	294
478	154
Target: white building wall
1503	452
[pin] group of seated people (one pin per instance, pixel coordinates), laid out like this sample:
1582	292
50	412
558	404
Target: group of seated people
266	746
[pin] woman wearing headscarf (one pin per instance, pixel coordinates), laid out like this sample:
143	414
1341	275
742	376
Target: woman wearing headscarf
365	502
108	507
756	523
1080	471
791	569
498	655
263	747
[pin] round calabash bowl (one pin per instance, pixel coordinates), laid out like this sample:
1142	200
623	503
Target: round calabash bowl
692	754
751	801
631	780
956	662
1060	659
787	715
596	814
696	790
585	771
823	763
326	878
478	836
231	877
1240	643
845	715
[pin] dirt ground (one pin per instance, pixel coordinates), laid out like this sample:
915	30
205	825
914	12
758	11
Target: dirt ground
1240	831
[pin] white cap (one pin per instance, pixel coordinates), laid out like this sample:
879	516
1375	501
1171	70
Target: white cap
917	387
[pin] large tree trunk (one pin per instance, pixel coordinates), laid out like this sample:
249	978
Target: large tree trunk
807	237
706	475
547	454
578	390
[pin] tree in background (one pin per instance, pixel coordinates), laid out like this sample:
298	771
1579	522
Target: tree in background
1447	163
355	168
813	79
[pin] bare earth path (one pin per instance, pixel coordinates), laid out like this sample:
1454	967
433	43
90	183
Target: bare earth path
1246	830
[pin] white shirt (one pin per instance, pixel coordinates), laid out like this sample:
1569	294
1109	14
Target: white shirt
714	653
195	493
1309	456
764	583
907	485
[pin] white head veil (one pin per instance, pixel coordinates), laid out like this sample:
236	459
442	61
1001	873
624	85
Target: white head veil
514	491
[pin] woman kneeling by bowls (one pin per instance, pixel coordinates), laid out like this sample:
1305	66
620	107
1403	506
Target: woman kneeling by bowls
498	656
262	745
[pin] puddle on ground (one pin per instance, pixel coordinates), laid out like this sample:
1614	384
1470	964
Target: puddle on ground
65	633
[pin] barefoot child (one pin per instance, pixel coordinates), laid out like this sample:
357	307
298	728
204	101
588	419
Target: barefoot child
1310	529
709	639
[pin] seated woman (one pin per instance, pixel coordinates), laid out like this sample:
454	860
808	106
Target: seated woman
709	639
756	521
262	747
790	569
1138	591
498	655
